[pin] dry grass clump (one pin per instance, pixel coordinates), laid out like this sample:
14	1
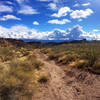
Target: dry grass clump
81	55
66	59
6	54
37	64
96	67
81	64
52	56
19	78
45	50
63	58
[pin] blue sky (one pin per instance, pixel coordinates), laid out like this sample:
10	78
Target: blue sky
48	15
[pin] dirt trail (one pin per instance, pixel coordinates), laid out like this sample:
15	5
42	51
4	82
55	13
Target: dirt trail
67	84
56	88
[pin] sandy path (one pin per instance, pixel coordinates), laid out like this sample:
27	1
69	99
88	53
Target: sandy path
67	83
56	88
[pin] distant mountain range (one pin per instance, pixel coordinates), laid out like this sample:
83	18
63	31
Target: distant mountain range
18	42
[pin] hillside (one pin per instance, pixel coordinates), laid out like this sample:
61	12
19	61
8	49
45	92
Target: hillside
49	71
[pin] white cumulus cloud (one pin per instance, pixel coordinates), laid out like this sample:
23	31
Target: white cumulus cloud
86	4
56	21
9	17
62	12
20	1
44	0
52	6
5	8
56	1
76	5
26	9
35	23
18	32
96	30
77	33
81	13
24	32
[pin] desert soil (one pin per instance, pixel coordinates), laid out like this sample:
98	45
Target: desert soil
66	83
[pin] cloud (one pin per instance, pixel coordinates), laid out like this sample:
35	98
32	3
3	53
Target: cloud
35	23
96	30
56	1
86	4
9	2
77	33
52	6
26	9
21	1
80	20
23	32
62	12
76	5
74	33
56	21
9	17
56	34
5	8
18	32
81	13
44	0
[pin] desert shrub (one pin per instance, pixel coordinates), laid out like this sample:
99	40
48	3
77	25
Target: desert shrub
21	78
88	53
38	64
43	79
6	54
6	93
26	53
92	56
96	67
33	60
45	50
7	83
82	64
31	57
52	56
66	59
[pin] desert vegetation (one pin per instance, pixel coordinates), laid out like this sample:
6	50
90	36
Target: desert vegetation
20	72
80	55
27	67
